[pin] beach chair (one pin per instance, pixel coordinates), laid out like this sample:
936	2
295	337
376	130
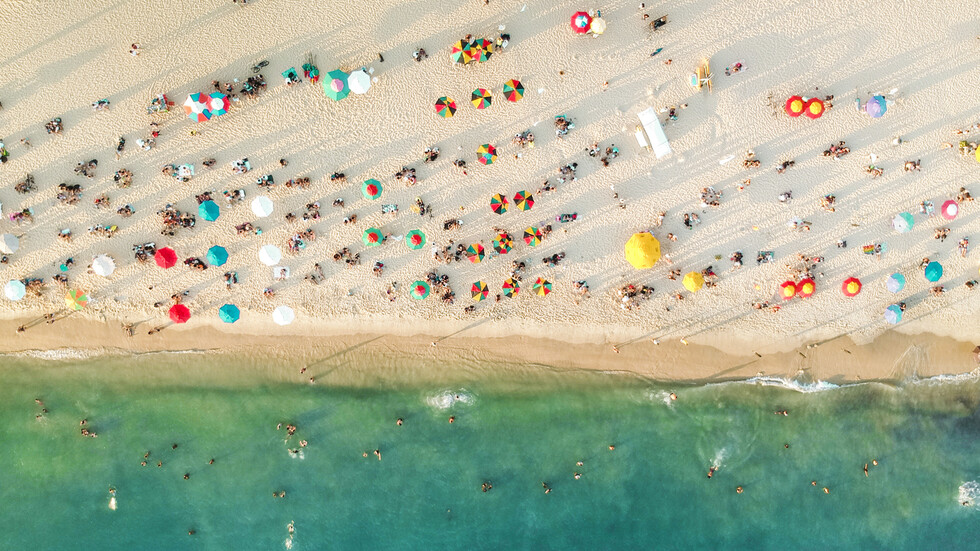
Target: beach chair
655	132
702	76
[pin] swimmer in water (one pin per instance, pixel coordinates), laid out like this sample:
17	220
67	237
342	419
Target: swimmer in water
399	421
826	490
378	453
578	463
611	447
865	469
452	418
187	476
874	462
211	462
578	476
813	483
547	489
711	471
738	489
673	396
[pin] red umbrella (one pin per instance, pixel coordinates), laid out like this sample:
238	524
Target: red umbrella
813	108
165	257
794	106
805	288
179	313
851	286
787	290
581	21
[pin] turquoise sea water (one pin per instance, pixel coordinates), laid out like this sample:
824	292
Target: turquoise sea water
515	430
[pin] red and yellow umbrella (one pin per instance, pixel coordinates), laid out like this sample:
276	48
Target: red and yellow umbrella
179	313
851	286
542	286
511	287
523	200
794	106
481	98
532	236
513	90
480	291
486	154
76	300
460	52
813	108
787	290
445	107
475	253
503	243
498	204
806	287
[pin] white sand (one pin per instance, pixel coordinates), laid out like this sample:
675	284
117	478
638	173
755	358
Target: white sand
61	56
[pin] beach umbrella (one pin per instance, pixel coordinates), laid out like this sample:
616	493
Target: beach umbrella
209	210
542	286
934	271
950	209
262	206
196	107
219	104
532	236
511	287
642	250
372	237
335	85
598	26
283	315
165	257
876	107
420	290
445	107
787	290
977	154
415	239
179	313
480	291
581	21
217	256
9	243
270	255
513	90
893	314
523	200
14	289
851	286
498	203
460	52
813	108
794	106
229	313
103	265
486	154
895	282
481	98
693	281
371	189
903	222
503	243
76	300
481	49
475	253
805	288
359	81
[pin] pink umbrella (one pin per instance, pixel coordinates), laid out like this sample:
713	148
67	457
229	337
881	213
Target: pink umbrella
950	209
581	21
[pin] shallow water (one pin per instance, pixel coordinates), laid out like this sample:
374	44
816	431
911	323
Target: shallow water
516	430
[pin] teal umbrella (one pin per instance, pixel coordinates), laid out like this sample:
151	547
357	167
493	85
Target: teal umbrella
229	313
934	271
903	222
893	314
209	210
335	85
217	256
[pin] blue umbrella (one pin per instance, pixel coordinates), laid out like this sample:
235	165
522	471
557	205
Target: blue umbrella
217	256
876	107
209	210
895	282
934	271
903	222
893	314
229	313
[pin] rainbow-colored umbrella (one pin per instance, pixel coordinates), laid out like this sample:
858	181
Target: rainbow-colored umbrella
196	107
372	237
445	107
335	85
460	52
513	90
484	49
475	253
542	286
420	290
503	243
371	189
498	204
806	287
486	154
481	98
532	236
415	239
523	200
76	300
511	287
480	291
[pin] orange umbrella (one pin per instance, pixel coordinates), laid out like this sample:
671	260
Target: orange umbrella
806	287
813	108
851	286
794	106
787	290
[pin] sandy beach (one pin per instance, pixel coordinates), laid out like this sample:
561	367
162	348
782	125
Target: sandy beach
71	54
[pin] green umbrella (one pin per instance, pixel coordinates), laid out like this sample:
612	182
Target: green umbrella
371	189
229	313
335	85
209	210
217	256
420	290
415	239
372	237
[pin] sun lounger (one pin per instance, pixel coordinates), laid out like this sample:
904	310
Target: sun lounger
655	132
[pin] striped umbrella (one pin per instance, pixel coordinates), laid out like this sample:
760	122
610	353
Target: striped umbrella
503	243
498	203
219	104
445	107
217	256
480	291
481	98
371	189
532	236
372	237
523	200
787	290
893	314
895	282
165	257
460	52
484	49
335	85
209	211
179	313
806	287
486	154
542	286
513	90
475	253
876	107
229	313
76	300
851	286
420	290
903	222
511	287
196	107
415	239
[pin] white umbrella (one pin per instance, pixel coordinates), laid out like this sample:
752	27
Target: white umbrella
359	81
262	206
103	265
283	315
9	243
14	289
270	255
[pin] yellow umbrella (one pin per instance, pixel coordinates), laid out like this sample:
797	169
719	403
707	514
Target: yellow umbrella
643	250
693	281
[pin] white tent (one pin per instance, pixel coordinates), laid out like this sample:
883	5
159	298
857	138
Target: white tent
14	290
270	255
655	132
262	206
9	243
283	315
103	265
359	81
